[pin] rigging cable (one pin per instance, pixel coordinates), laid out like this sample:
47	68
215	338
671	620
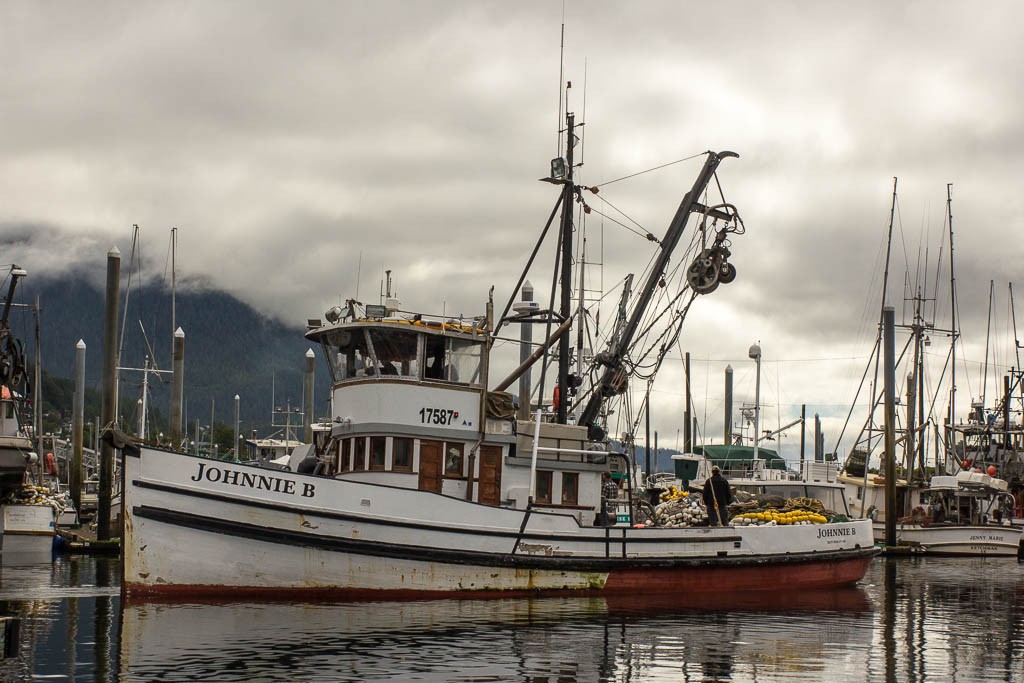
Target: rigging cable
649	170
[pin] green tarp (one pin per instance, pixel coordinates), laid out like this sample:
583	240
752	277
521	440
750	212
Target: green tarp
731	457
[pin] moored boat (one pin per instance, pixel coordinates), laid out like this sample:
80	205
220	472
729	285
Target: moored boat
15	446
963	514
27	519
432	486
950	506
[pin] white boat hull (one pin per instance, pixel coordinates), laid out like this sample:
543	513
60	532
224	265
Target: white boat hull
199	526
27	533
940	539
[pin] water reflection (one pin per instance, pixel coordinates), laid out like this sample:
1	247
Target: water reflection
910	620
69	618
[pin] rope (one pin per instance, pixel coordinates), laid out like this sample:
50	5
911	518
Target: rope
655	168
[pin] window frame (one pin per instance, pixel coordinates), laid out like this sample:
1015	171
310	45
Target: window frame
460	473
383	465
573	477
395	441
360	447
544	496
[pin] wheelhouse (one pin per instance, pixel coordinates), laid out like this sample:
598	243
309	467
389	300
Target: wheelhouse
408	351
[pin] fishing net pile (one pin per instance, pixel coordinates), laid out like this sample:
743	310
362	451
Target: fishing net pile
679	509
771	510
37	495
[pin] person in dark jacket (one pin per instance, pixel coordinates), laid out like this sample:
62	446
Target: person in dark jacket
717	497
609	493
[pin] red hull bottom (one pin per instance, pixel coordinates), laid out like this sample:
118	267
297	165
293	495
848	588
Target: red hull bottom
692	582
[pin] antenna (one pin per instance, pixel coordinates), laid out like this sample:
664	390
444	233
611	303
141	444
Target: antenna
174	252
561	72
359	272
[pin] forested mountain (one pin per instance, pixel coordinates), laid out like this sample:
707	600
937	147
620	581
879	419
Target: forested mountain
230	349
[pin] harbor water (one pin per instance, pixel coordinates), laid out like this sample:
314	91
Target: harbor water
910	619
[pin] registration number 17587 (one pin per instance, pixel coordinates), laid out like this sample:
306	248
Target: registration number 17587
438	416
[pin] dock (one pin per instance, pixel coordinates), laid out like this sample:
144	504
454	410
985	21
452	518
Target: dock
82	541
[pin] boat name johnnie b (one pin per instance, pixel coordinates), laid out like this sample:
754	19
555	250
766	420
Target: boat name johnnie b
251	480
841	531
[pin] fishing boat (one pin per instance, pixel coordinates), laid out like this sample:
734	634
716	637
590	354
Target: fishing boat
953	506
15	446
16	453
27	519
433	486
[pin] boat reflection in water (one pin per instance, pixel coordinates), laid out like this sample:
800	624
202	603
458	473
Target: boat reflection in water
551	638
910	619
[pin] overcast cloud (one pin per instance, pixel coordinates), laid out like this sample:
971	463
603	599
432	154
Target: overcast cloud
291	142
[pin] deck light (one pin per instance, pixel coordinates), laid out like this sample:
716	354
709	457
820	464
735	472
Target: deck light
558	168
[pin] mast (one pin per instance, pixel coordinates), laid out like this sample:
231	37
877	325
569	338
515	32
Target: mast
565	303
614	358
952	315
37	390
174	252
879	352
912	389
1013	317
988	332
885	294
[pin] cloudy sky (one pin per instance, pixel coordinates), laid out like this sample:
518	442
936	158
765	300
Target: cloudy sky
298	145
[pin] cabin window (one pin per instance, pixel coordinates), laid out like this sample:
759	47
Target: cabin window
378	452
359	453
332	458
465	361
570	488
396	352
362	352
451	359
453	456
8	410
401	454
346	455
543	487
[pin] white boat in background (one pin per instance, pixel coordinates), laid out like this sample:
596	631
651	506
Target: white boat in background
16	453
28	533
431	486
951	506
962	514
27	523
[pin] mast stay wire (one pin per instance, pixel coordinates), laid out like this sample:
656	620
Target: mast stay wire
649	170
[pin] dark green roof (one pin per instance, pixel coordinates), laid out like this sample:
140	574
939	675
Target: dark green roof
723	454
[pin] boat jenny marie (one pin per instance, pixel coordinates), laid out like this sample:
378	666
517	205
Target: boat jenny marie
431	485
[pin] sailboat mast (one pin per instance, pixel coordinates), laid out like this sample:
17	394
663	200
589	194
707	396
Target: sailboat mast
988	334
881	317
952	312
1013	318
565	304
